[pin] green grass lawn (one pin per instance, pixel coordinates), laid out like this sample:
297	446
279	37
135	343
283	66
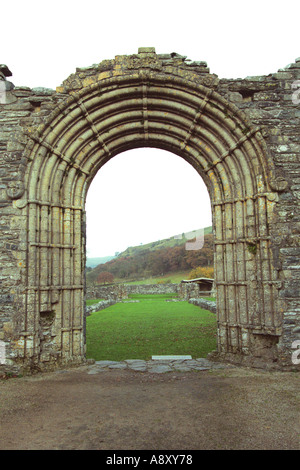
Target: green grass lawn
150	327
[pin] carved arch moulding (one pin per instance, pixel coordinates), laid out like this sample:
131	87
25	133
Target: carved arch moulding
224	128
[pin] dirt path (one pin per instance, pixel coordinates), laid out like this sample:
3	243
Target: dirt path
121	409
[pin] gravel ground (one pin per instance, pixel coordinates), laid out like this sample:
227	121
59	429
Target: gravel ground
235	408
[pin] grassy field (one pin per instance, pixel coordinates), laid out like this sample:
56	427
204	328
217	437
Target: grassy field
150	327
175	278
167	278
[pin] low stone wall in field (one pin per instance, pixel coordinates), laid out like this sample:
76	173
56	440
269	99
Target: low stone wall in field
121	291
108	292
102	304
99	306
153	289
206	304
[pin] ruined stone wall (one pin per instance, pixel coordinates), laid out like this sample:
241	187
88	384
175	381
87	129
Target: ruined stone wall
145	289
116	292
273	103
270	102
25	108
204	303
123	290
193	290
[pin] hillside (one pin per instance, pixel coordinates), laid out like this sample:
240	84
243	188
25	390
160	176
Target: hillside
156	259
93	262
176	240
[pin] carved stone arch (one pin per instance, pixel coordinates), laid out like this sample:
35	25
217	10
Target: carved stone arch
182	113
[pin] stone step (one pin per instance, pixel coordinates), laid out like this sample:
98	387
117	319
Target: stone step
159	365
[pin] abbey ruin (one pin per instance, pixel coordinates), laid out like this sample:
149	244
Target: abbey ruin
241	135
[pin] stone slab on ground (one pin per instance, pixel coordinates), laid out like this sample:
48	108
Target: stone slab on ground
160	368
159	365
119	365
105	363
135	361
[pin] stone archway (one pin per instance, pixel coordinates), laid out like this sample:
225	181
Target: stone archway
148	108
145	100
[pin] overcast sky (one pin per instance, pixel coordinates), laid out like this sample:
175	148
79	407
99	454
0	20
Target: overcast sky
43	43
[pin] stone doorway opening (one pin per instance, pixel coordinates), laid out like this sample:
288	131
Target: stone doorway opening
151	193
146	199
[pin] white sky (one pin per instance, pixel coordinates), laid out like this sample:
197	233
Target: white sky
141	196
43	43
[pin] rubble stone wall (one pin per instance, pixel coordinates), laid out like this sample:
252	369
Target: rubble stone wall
121	291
